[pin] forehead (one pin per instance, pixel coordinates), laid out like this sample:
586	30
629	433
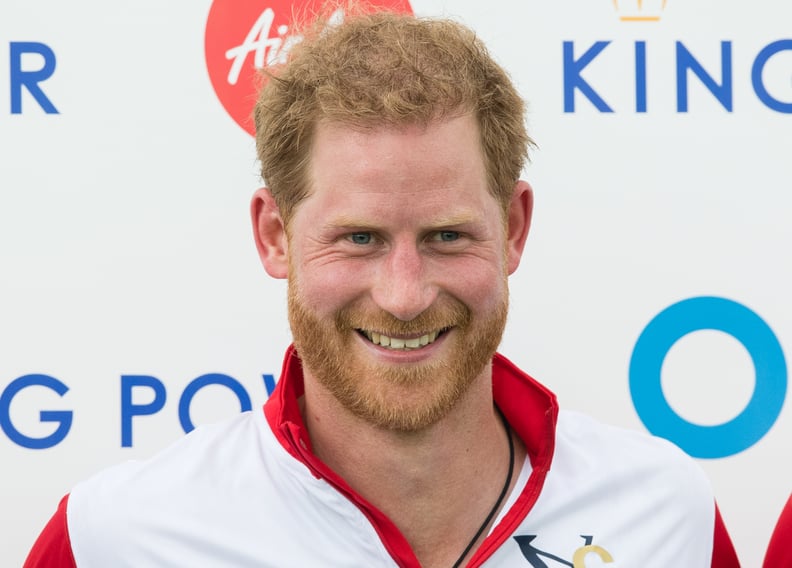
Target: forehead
443	155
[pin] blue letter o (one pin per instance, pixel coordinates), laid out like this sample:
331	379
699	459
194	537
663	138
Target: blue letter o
201	382
730	317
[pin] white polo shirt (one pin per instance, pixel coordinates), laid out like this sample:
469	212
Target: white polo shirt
249	492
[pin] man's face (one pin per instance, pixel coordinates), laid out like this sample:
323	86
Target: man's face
397	269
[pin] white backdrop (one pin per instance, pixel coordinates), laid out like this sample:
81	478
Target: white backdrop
126	252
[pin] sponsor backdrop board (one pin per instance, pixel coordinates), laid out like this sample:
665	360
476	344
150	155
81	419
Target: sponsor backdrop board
653	292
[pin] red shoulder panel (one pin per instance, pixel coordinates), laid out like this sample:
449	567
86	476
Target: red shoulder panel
52	548
723	553
779	551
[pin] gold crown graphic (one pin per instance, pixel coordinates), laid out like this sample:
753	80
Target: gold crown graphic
639	10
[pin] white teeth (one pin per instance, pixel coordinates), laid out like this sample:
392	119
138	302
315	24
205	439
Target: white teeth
403	344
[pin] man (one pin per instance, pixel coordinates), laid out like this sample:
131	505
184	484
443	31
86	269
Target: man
392	149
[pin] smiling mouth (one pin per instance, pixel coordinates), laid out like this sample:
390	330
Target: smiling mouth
400	344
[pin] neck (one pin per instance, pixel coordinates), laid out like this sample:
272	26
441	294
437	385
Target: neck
437	484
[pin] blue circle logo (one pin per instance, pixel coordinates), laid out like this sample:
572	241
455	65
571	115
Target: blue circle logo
745	326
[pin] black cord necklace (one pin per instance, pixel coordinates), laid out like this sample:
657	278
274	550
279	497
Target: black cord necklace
500	497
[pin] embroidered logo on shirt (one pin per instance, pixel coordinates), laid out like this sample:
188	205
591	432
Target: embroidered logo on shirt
540	558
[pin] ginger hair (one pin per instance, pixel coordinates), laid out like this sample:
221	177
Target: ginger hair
385	69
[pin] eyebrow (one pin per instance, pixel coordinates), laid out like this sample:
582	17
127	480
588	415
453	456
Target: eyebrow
455	219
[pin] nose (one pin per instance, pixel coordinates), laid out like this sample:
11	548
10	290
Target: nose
403	286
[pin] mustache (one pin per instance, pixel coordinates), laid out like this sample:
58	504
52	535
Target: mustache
439	316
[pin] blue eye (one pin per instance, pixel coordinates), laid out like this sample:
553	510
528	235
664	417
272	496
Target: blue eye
447	236
360	238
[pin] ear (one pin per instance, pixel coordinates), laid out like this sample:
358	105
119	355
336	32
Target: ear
519	222
270	234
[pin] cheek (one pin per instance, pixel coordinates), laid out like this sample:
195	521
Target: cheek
481	286
324	289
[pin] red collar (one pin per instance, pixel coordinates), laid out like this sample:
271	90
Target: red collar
530	408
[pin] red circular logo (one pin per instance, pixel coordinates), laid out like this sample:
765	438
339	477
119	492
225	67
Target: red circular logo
243	36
